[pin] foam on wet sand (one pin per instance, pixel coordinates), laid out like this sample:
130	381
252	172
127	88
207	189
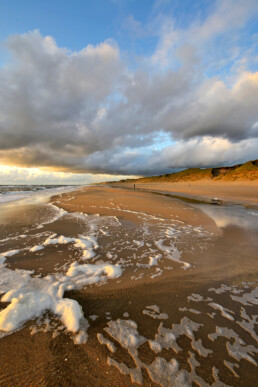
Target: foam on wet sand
31	297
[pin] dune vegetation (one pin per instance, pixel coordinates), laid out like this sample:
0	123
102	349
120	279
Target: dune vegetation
246	172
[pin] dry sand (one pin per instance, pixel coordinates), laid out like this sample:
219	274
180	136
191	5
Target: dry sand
217	256
244	192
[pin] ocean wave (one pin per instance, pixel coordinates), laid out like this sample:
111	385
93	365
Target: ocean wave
11	193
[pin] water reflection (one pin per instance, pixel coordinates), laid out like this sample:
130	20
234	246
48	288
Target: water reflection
231	215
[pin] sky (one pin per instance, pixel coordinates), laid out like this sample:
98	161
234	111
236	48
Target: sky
103	90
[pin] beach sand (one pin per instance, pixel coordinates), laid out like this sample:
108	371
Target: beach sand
181	311
243	192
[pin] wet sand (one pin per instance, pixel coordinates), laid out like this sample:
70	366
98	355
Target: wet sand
181	269
242	192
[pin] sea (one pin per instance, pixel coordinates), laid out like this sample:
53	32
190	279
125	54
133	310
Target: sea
9	193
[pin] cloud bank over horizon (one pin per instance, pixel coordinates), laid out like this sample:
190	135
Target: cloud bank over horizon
192	102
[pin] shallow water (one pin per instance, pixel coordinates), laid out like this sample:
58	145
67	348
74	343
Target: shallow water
231	215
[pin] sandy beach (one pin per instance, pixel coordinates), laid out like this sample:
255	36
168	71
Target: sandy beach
122	287
242	192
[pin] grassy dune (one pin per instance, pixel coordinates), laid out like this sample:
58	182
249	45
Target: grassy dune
241	172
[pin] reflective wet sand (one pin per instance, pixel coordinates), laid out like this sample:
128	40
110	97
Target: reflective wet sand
245	192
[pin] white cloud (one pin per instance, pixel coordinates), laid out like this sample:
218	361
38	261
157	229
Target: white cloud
208	151
225	19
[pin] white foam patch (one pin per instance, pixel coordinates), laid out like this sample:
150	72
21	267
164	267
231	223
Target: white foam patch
198	298
46	324
2	260
86	243
36	248
225	288
211	315
189	310
153	261
163	372
167	337
83	217
155	346
160	371
59	213
154	312
10	253
198	347
248	298
238	350
248	323
157	274
170	232
171	252
93	317
31	297
231	366
108	343
125	332
224	311
80	338
139	243
253	213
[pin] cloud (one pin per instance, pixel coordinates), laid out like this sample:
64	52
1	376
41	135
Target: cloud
219	29
208	151
50	99
217	110
22	176
199	152
89	112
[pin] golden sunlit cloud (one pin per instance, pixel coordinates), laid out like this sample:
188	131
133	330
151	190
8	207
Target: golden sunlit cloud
20	175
